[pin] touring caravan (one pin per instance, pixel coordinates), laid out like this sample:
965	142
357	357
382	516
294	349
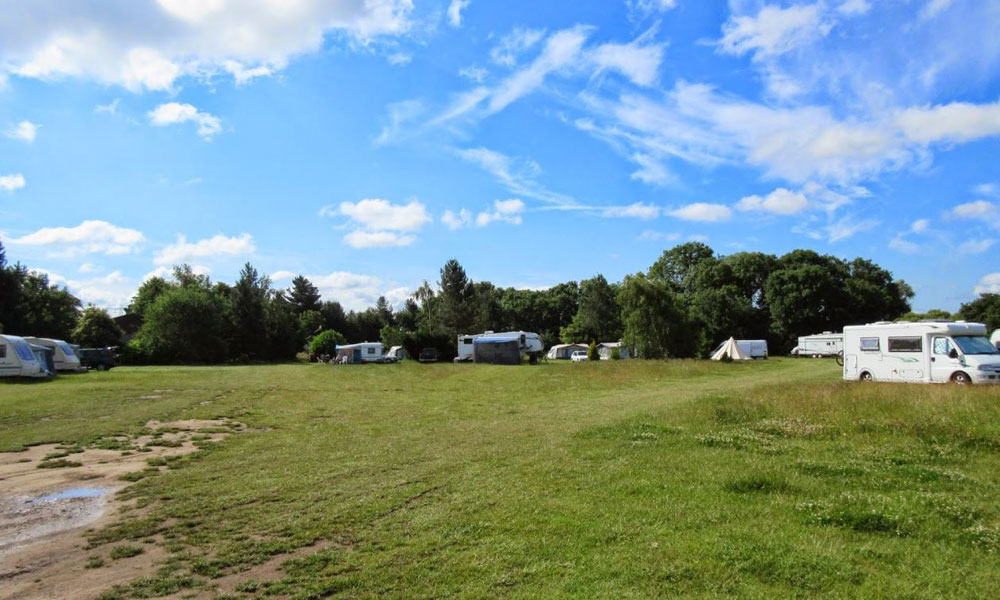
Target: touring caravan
17	359
365	352
995	338
565	351
754	348
605	349
528	343
922	352
65	358
820	345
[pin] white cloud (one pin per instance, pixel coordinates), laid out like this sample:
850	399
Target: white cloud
780	202
773	31
975	246
399	59
987	189
455	12
216	246
24	131
637	62
165	272
646	212
920	225
846	227
561	51
149	45
518	175
111	291
900	244
473	73
454	220
111	108
989	284
89	237
378	239
638	9
658	236
506	211
282	276
9	183
934	7
703	211
955	122
354	291
173	113
376	214
513	44
854	7
978	209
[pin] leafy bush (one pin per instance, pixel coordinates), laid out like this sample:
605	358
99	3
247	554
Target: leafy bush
326	342
616	354
592	353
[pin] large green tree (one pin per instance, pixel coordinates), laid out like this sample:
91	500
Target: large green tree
183	325
303	295
597	316
654	318
457	306
96	329
249	299
984	309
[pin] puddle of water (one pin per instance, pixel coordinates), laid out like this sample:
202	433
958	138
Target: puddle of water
73	493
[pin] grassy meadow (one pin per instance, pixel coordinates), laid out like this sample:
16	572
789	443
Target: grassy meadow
630	479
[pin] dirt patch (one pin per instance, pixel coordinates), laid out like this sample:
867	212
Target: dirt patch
50	494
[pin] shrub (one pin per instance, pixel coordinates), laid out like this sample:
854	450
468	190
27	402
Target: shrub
616	354
592	353
326	342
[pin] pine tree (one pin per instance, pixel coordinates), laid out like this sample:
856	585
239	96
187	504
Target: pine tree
303	295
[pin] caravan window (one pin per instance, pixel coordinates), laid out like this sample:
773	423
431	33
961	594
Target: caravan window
466	340
3	350
906	344
869	343
371	350
24	351
67	349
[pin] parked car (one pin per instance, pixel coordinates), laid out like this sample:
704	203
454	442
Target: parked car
578	356
100	359
429	355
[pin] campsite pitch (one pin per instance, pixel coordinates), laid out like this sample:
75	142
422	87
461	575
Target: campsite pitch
626	479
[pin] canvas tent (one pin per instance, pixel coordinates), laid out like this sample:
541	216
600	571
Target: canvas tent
732	350
497	350
564	351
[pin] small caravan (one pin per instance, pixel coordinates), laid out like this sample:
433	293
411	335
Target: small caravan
396	353
64	356
604	350
995	338
365	352
17	359
753	348
564	351
528	343
820	345
921	352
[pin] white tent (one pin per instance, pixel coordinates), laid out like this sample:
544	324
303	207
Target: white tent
732	350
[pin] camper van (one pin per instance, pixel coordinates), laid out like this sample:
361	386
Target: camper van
528	343
356	354
820	345
754	348
17	359
65	358
922	352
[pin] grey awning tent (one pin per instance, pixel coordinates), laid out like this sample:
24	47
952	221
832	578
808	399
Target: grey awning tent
498	350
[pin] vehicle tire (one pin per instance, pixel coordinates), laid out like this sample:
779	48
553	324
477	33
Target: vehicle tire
961	378
102	367
840	358
867	377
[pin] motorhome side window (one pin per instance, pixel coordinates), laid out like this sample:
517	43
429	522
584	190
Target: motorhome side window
467	340
941	345
371	351
906	344
869	343
3	350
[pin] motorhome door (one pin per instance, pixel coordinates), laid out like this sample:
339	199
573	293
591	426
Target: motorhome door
942	364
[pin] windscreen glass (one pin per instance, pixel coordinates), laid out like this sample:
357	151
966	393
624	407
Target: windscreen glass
67	349
24	351
975	344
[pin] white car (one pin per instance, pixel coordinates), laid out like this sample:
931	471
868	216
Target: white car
578	356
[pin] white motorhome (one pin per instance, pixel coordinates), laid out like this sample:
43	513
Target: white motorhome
754	348
819	345
921	352
529	343
65	358
364	352
17	359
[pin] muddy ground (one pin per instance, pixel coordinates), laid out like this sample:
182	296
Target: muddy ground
45	512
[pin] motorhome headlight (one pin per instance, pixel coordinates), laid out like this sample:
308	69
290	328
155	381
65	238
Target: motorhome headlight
986	368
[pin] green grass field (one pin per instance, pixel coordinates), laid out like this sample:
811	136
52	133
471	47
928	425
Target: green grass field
624	479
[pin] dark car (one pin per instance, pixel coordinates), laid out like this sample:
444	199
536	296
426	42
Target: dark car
429	355
100	359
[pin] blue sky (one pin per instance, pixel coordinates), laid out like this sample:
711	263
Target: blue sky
365	142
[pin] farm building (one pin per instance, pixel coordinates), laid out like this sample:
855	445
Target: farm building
564	351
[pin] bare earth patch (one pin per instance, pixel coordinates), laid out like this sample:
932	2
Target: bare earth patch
45	509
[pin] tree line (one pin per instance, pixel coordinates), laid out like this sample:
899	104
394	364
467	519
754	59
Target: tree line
683	305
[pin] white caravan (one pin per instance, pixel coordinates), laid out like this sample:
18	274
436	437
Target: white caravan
564	351
528	342
754	348
17	359
995	338
821	344
64	357
922	352
364	352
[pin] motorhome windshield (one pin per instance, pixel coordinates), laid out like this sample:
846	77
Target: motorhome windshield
975	344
